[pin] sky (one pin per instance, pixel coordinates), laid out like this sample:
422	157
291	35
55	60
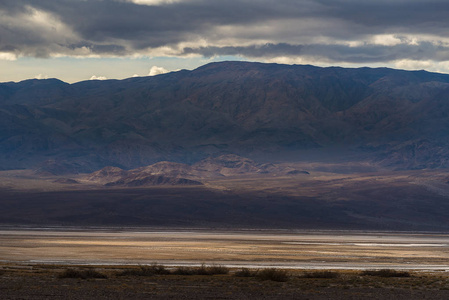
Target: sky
76	40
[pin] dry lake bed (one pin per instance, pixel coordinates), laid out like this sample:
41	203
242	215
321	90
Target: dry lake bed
75	263
237	248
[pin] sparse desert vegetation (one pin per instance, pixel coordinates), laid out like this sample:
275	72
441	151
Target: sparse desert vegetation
245	272
386	273
212	270
81	274
321	274
119	282
156	269
272	274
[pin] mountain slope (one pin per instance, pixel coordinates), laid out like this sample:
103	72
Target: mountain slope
230	107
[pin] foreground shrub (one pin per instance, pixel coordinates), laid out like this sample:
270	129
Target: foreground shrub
82	274
245	272
159	269
184	271
273	275
154	269
321	274
202	270
212	270
386	273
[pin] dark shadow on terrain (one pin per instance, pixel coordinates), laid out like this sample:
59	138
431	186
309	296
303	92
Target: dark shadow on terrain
390	208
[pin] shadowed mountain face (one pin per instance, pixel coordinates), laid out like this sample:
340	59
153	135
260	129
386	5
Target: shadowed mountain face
396	118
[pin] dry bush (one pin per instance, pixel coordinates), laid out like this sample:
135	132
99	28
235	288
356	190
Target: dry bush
245	272
202	270
273	275
159	269
213	270
82	274
386	273
321	274
154	269
184	271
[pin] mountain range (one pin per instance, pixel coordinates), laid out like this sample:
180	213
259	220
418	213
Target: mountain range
169	173
393	118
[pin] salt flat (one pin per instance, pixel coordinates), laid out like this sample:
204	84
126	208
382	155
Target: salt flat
249	248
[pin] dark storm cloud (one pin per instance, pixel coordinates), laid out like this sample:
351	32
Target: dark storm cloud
412	14
335	53
293	28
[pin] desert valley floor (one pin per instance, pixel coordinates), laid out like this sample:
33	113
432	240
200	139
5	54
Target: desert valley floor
244	248
36	263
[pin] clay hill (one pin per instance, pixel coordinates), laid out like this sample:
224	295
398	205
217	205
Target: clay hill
169	173
394	118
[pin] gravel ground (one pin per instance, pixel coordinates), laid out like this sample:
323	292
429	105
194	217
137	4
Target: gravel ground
42	282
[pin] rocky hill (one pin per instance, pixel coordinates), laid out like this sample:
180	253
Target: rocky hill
395	118
169	173
107	175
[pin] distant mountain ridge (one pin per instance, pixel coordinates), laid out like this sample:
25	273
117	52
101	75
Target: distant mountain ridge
169	173
397	118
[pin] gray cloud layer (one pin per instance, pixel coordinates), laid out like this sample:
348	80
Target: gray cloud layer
364	53
355	31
